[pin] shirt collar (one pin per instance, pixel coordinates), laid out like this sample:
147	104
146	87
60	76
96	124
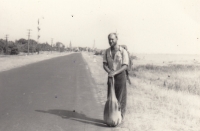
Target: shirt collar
118	47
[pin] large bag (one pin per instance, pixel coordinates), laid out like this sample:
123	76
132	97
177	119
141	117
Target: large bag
112	110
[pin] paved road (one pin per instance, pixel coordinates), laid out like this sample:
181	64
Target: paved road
52	95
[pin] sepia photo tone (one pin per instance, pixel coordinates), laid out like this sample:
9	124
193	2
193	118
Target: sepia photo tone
103	65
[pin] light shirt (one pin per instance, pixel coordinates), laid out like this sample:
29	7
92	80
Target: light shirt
120	58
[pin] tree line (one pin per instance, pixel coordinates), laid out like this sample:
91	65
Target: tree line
31	46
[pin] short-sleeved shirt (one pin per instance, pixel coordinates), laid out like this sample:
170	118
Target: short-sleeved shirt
120	58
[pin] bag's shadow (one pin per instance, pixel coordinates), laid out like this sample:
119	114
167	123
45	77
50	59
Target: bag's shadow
72	115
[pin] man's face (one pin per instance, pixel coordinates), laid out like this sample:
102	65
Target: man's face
112	40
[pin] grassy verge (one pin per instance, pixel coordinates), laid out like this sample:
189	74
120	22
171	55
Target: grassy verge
184	78
153	105
13	61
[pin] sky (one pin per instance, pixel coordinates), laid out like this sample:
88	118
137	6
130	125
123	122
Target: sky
145	26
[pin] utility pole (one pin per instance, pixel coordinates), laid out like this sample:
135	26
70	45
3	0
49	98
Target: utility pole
51	44
28	39
94	45
59	46
38	37
70	46
6	46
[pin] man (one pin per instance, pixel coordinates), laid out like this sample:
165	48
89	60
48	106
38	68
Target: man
115	62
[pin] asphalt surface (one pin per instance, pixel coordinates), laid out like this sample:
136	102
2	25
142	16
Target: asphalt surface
52	95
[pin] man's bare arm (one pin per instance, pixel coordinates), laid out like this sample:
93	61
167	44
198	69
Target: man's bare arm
113	73
124	67
105	66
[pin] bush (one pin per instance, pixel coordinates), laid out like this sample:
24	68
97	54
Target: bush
14	50
132	57
99	52
1	50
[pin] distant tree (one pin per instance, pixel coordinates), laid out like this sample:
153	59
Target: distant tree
60	46
37	49
11	48
14	49
32	46
22	45
6	47
22	41
44	47
2	46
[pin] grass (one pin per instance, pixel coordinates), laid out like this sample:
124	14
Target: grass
162	97
178	77
13	61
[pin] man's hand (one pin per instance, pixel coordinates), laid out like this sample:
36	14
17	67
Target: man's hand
111	73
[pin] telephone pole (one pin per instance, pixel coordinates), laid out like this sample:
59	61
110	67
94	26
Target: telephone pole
6	46
70	46
51	44
94	46
29	30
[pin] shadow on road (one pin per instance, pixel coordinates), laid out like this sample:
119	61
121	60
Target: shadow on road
72	115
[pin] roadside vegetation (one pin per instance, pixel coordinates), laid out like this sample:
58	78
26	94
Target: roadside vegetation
163	96
9	62
184	78
22	45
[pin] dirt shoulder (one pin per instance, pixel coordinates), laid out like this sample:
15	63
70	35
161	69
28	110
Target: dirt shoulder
13	61
150	107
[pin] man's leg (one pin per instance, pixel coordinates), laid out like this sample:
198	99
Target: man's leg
121	91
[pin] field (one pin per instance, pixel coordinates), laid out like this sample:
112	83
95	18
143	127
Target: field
164	95
180	73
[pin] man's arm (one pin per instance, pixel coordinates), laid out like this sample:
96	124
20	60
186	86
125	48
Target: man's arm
105	63
113	73
105	66
125	63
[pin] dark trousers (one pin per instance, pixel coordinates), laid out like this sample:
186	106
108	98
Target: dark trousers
120	90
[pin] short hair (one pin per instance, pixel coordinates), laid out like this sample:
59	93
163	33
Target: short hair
113	34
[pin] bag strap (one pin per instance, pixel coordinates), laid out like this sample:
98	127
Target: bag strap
127	70
106	55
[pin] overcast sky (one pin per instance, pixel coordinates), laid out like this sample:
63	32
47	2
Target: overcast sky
145	26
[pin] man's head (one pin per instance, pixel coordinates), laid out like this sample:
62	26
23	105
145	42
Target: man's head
112	39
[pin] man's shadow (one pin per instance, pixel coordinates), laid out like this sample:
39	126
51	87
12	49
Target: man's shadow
72	115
